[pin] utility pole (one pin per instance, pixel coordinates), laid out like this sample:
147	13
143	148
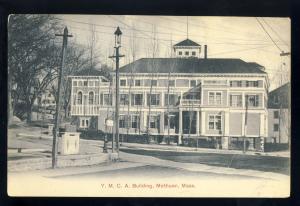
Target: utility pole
57	115
245	126
117	57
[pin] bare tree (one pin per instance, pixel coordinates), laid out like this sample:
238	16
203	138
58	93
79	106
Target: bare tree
30	59
153	50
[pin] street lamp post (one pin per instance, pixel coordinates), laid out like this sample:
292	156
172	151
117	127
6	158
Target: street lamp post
118	35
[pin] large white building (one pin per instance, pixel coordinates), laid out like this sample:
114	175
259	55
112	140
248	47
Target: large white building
188	98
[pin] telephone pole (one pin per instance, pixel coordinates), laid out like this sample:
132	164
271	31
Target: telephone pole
245	126
57	115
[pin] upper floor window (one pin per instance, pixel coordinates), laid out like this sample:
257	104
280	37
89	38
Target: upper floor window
171	83
137	83
252	100
124	99
79	98
91	97
215	98
236	83
180	53
85	83
194	53
276	115
153	99
123	82
251	83
236	100
171	98
193	83
153	82
136	99
107	100
215	122
275	99
74	83
187	53
91	83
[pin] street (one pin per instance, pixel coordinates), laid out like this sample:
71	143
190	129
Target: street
238	161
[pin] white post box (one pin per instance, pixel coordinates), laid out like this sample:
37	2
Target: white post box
70	143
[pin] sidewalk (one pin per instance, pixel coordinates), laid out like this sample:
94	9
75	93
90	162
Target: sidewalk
29	148
165	147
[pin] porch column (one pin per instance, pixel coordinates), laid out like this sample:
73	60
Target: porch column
203	123
180	127
198	123
162	123
225	140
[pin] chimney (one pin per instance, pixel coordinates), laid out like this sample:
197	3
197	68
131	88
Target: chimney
205	51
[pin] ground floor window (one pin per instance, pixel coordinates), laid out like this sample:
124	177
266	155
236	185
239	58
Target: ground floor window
84	123
154	122
135	121
172	120
215	122
122	121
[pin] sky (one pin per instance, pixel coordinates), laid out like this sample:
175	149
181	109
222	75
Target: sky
251	39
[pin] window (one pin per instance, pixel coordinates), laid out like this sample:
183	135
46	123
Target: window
276	115
193	83
74	83
171	120
122	121
236	100
79	98
180	53
214	122
251	83
252	100
276	99
137	83
85	83
186	53
173	99
84	123
154	99
194	53
123	82
154	82
107	99
215	98
235	83
124	100
91	97
154	122
136	99
80	83
275	127
171	83
135	121
91	83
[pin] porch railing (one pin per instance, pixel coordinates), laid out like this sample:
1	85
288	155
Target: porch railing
85	110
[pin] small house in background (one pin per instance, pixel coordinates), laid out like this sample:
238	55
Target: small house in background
279	115
86	100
